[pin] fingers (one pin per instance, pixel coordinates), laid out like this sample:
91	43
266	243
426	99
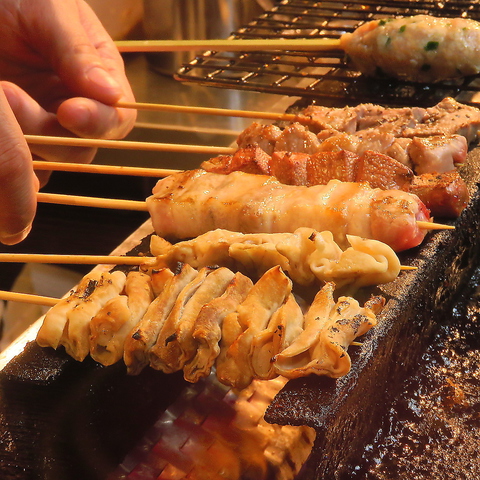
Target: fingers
92	119
18	182
80	50
34	120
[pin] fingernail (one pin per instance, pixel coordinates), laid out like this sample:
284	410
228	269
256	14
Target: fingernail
103	79
12	239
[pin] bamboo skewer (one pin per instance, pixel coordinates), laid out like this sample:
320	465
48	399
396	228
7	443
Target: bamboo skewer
434	226
81	201
126	145
94	259
223	112
229	45
104	169
28	298
75	259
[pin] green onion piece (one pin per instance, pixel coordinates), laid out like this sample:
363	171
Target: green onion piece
431	46
402	28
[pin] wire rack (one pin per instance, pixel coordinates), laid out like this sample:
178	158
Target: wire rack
326	76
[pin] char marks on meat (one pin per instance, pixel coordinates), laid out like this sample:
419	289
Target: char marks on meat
412	136
444	194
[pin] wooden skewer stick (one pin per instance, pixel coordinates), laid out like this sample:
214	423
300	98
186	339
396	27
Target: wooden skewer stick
224	112
229	45
434	226
106	169
80	201
126	145
76	259
28	298
92	259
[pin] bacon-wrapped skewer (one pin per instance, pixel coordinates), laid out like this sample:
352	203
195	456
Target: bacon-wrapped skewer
190	203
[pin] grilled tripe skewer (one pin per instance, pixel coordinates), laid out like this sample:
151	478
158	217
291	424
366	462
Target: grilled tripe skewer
233	366
111	325
144	335
199	321
68	322
328	330
306	255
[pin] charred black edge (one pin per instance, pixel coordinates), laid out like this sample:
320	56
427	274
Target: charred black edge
346	413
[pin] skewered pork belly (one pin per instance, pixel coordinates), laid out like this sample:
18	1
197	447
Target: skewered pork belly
191	203
305	255
292	168
420	48
444	194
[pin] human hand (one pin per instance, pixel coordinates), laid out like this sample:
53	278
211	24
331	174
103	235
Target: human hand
65	75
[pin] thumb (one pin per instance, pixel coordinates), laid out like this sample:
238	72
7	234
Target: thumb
18	184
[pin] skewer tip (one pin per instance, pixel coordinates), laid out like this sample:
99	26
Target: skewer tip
434	226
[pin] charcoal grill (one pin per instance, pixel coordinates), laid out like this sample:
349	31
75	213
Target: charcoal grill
326	77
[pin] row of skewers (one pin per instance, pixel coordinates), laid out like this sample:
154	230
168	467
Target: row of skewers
197	204
291	341
191	204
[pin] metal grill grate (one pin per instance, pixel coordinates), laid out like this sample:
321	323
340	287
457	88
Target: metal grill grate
326	77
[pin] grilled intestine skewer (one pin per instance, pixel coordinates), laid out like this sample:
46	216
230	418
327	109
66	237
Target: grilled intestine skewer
247	315
305	255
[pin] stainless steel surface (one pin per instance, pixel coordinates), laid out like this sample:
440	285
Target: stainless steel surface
193	19
152	87
326	76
